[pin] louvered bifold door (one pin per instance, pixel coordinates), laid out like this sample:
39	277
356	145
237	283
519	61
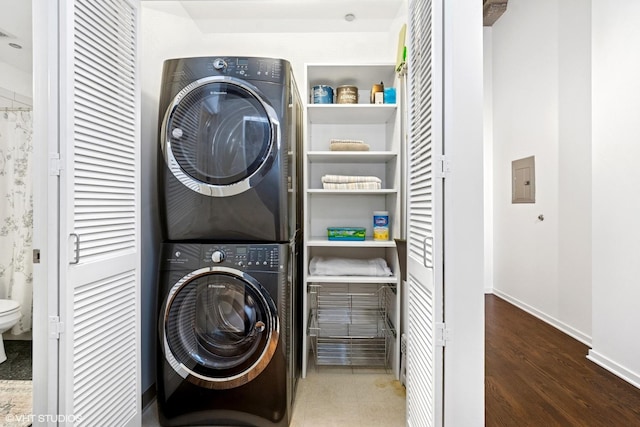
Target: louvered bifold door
100	144
424	237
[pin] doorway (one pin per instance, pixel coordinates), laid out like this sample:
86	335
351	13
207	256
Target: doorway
16	208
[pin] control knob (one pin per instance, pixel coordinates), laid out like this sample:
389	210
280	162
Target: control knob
219	63
217	256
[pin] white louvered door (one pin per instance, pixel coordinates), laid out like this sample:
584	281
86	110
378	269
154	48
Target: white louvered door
425	213
99	377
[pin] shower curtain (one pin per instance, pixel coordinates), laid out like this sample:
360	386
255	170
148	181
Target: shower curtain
16	212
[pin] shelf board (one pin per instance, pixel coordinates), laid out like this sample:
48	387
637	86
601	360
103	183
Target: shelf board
349	192
352	279
367	243
350	113
351	156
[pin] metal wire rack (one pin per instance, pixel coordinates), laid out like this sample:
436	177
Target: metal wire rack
349	323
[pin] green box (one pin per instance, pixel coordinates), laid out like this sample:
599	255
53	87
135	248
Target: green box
346	233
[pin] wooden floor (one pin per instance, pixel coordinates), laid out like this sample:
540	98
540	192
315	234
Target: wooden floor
538	376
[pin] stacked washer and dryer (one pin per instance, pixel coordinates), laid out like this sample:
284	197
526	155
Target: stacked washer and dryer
228	188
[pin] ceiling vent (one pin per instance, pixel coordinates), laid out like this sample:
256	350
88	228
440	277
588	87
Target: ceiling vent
492	10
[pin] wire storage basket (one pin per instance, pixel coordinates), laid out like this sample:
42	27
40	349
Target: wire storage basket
349	324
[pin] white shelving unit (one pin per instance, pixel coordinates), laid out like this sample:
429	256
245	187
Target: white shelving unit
379	126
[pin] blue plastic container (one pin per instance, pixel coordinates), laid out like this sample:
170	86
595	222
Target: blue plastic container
390	95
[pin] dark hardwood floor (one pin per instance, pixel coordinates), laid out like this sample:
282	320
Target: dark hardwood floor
536	375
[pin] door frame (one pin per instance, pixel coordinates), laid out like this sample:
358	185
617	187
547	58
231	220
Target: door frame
46	193
463	210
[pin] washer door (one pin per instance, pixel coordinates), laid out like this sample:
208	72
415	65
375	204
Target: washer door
220	328
219	136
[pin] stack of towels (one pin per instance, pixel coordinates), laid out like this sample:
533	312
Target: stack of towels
348	182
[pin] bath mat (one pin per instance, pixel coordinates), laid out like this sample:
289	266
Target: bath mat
15	403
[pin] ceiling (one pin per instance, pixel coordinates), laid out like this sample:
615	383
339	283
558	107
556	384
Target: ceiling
224	16
231	16
15	23
287	16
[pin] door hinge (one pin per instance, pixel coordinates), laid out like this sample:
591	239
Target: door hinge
443	335
56	327
443	166
55	165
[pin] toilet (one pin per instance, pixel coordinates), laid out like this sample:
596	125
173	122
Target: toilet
9	316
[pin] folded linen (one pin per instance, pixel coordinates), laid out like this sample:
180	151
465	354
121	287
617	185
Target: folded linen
352	186
344	179
354	141
333	266
348	145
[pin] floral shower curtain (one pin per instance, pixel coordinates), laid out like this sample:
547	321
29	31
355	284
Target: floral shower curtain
16	212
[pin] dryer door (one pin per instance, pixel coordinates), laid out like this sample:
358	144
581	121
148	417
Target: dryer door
220	328
220	136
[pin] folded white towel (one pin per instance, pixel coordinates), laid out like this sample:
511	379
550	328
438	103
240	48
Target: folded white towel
330	266
352	186
344	179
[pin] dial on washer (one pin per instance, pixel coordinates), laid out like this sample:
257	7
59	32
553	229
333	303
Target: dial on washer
217	256
219	64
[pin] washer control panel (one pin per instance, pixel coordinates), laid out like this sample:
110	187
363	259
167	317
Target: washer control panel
250	257
244	67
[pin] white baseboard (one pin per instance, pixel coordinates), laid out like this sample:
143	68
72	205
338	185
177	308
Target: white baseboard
572	332
488	291
611	366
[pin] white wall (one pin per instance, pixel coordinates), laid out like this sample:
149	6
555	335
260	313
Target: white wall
15	80
541	98
574	166
616	148
167	32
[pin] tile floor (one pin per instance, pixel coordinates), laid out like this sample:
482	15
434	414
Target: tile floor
18	363
340	397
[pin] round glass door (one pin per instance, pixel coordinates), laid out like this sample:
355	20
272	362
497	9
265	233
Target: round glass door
219	131
220	329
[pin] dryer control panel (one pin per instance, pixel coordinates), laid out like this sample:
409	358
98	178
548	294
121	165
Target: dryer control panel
267	69
243	257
